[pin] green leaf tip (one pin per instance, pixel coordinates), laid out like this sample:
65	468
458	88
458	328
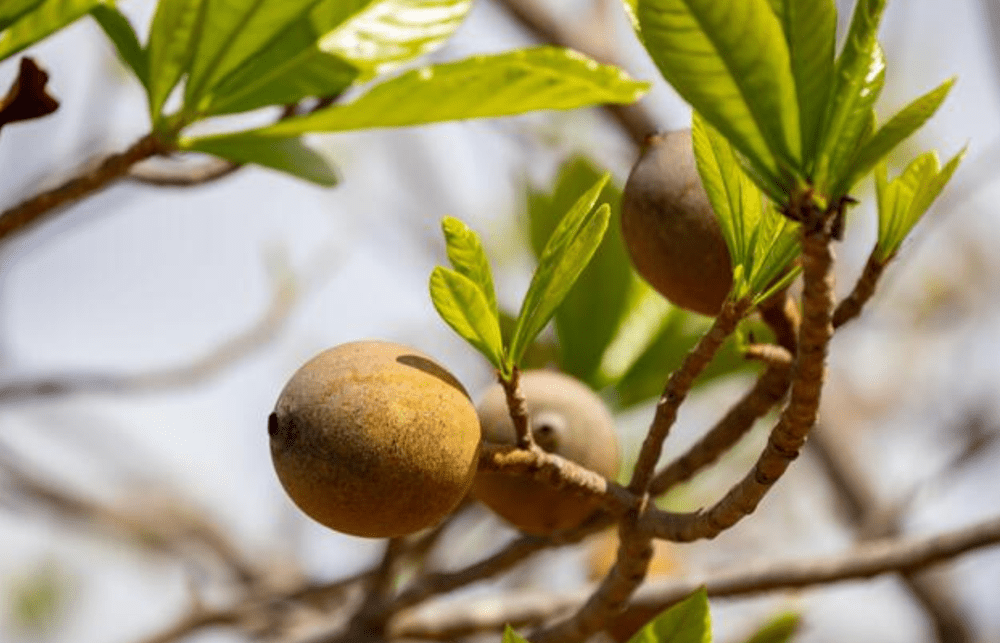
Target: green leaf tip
566	254
904	200
463	306
510	636
762	243
467	256
685	622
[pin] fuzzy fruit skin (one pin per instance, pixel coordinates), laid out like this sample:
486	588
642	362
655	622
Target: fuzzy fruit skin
670	228
374	439
567	419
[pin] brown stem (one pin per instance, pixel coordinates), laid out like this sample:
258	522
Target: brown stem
557	471
183	174
518	407
448	621
114	167
798	417
781	313
443	582
677	388
863	290
770	388
635	550
770	354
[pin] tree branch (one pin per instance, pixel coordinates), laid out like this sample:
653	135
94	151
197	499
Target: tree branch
677	389
114	167
770	388
796	419
447	621
863	290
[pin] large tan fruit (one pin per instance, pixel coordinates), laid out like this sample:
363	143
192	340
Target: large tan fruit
670	228
374	439
567	419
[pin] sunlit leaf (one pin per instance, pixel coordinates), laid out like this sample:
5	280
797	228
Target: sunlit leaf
479	87
566	254
285	155
896	130
685	622
172	37
595	306
780	629
730	61
858	79
272	78
810	29
43	19
467	257
463	306
119	30
510	636
231	32
905	199
11	10
388	33
762	243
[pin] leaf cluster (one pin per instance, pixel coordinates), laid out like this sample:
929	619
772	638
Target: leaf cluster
779	111
464	295
204	60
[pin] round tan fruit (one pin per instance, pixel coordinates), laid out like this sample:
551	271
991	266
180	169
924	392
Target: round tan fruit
567	419
374	439
670	228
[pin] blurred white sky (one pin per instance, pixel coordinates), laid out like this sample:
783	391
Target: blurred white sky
140	277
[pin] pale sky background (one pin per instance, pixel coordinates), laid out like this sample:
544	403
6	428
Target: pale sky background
137	278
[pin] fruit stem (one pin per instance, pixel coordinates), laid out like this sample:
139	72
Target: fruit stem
517	405
679	385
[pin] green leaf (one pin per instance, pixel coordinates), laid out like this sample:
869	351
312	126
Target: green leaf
899	128
905	199
44	19
463	306
293	59
388	33
285	155
685	622
272	78
858	79
595	307
780	629
172	39
566	254
810	29
730	61
11	10
479	87
762	243
510	636
119	30
232	31
467	257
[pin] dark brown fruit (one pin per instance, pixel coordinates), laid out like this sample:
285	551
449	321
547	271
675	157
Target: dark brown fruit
374	439
567	419
670	228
